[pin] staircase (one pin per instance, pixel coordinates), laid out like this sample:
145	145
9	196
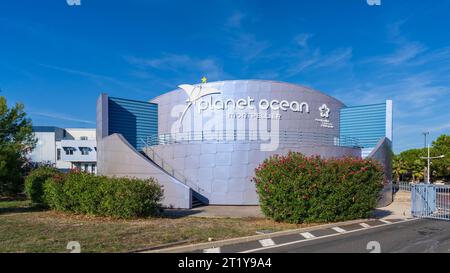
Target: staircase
196	202
197	198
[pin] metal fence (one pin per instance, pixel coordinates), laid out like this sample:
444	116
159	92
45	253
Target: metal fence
402	186
430	201
297	137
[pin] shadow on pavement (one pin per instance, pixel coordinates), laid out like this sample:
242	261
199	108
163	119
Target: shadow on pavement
178	213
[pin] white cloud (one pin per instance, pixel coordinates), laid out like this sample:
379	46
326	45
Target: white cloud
59	116
235	20
101	79
181	64
405	53
303	39
314	59
247	47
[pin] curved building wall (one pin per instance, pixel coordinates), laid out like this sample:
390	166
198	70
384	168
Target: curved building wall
223	171
222	168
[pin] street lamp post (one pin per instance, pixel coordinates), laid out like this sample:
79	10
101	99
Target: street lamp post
429	158
425	134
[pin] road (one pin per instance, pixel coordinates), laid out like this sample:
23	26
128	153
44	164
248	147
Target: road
417	236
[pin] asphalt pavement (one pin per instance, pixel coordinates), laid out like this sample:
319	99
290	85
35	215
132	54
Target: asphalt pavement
414	236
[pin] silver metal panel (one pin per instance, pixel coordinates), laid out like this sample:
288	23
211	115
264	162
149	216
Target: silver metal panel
223	169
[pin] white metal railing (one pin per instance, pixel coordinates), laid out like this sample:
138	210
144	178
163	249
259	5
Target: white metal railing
285	136
402	186
158	160
430	201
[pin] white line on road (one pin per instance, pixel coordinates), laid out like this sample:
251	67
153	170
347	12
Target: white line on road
307	235
326	236
338	229
364	225
212	250
267	242
385	221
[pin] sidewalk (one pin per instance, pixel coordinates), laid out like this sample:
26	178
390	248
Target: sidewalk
400	208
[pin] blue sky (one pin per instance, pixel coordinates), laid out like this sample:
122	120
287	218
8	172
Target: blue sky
57	58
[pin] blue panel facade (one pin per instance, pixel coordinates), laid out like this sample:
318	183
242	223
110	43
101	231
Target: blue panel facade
367	123
135	120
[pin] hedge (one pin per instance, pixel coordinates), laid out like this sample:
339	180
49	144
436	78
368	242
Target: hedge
34	184
298	189
84	193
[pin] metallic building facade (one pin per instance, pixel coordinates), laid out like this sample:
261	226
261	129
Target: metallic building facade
135	120
211	137
367	123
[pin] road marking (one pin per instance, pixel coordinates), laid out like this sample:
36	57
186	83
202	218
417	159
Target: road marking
326	236
364	225
385	221
212	250
267	242
307	235
338	229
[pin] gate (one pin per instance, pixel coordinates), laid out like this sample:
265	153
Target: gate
430	201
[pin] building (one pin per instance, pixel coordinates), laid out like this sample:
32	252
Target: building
203	142
66	149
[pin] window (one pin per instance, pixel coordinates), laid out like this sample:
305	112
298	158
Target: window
84	150
58	154
69	151
84	138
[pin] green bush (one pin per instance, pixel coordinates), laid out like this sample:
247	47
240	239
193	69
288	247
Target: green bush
34	183
99	195
298	189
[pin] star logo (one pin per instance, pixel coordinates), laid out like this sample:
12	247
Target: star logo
324	111
204	79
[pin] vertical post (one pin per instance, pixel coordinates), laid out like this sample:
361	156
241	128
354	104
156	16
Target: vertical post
428	167
425	134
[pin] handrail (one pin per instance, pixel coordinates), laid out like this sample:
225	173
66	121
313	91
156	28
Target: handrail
158	160
298	137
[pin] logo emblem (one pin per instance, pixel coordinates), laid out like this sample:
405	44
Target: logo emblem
195	93
324	111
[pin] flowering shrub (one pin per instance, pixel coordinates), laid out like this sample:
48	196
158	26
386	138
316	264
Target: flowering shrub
298	189
34	184
84	193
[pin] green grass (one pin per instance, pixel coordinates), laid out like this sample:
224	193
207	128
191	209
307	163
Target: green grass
24	228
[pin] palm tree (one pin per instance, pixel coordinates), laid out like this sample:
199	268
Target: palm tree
398	168
418	170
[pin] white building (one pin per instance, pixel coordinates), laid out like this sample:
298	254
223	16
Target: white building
66	148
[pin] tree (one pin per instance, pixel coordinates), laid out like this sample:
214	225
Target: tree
418	171
414	166
441	167
398	168
16	141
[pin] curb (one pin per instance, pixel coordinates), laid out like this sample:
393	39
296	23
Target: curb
200	246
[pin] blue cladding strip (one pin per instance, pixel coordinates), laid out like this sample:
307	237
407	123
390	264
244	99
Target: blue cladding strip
135	120
366	123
